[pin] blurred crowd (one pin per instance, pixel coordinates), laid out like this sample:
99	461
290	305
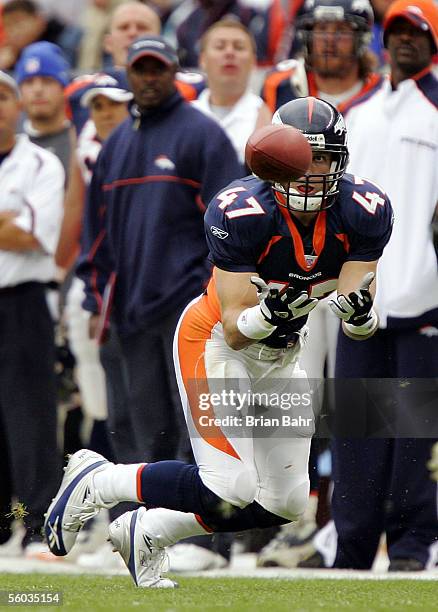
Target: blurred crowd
118	268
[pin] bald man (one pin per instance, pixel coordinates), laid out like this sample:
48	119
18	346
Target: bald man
112	29
128	22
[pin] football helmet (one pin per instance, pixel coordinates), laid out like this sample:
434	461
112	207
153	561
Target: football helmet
358	13
325	130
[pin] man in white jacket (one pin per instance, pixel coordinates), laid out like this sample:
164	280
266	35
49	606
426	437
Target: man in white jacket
32	187
383	484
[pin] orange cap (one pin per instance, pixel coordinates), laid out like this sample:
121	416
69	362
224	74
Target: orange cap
421	13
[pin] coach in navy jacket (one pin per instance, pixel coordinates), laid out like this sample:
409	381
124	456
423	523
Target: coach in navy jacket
143	246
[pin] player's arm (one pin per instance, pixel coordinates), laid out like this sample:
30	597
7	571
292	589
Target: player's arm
68	244
250	315
354	301
236	294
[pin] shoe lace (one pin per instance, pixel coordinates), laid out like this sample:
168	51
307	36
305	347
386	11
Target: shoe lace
157	562
86	511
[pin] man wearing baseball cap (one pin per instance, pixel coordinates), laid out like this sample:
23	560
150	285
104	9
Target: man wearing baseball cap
42	74
382	484
147	254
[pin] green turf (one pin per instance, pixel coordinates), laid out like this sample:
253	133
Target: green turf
89	593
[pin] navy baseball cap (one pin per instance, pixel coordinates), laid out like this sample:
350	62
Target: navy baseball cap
43	59
152	46
108	86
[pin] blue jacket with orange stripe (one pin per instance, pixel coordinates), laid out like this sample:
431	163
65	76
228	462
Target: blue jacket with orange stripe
143	243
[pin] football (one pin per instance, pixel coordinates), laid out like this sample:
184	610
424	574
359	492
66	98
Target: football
278	153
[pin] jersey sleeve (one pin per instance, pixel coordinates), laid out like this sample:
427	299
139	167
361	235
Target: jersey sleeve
237	226
368	219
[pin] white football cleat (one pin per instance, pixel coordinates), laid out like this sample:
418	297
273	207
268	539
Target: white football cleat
143	558
76	502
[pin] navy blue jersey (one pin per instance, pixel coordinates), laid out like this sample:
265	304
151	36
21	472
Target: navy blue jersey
247	231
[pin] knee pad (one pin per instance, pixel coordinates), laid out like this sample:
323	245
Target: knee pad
237	487
290	503
243	487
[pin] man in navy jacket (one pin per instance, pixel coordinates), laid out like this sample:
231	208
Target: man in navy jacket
143	246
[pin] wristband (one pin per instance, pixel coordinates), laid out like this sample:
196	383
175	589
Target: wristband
252	324
361	332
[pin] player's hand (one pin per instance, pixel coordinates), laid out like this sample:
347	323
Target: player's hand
355	308
279	307
433	463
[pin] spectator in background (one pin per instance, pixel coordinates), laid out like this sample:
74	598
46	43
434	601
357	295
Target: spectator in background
24	23
32	186
265	23
128	22
146	261
382	484
42	74
376	45
108	105
337	65
107	102
95	21
227	57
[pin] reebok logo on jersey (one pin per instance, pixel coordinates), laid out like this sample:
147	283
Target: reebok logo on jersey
219	233
164	163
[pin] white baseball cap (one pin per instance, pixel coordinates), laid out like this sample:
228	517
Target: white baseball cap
108	86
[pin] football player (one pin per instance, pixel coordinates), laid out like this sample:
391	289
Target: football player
337	65
276	249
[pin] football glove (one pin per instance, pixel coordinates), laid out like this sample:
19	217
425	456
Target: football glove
433	463
279	307
356	309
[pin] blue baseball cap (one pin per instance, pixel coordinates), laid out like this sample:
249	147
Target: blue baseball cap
108	86
152	46
43	59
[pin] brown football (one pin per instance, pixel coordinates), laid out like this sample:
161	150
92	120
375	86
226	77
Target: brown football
278	153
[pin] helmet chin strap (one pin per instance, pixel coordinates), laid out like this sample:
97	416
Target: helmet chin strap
309	203
296	202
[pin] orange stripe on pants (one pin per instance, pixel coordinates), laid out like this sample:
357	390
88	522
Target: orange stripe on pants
194	331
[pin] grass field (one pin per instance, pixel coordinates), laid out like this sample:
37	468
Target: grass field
89	593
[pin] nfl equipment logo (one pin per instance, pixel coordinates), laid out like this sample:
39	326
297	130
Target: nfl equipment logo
164	163
310	260
32	65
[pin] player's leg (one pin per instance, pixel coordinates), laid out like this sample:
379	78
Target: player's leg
91	482
411	524
282	459
360	465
